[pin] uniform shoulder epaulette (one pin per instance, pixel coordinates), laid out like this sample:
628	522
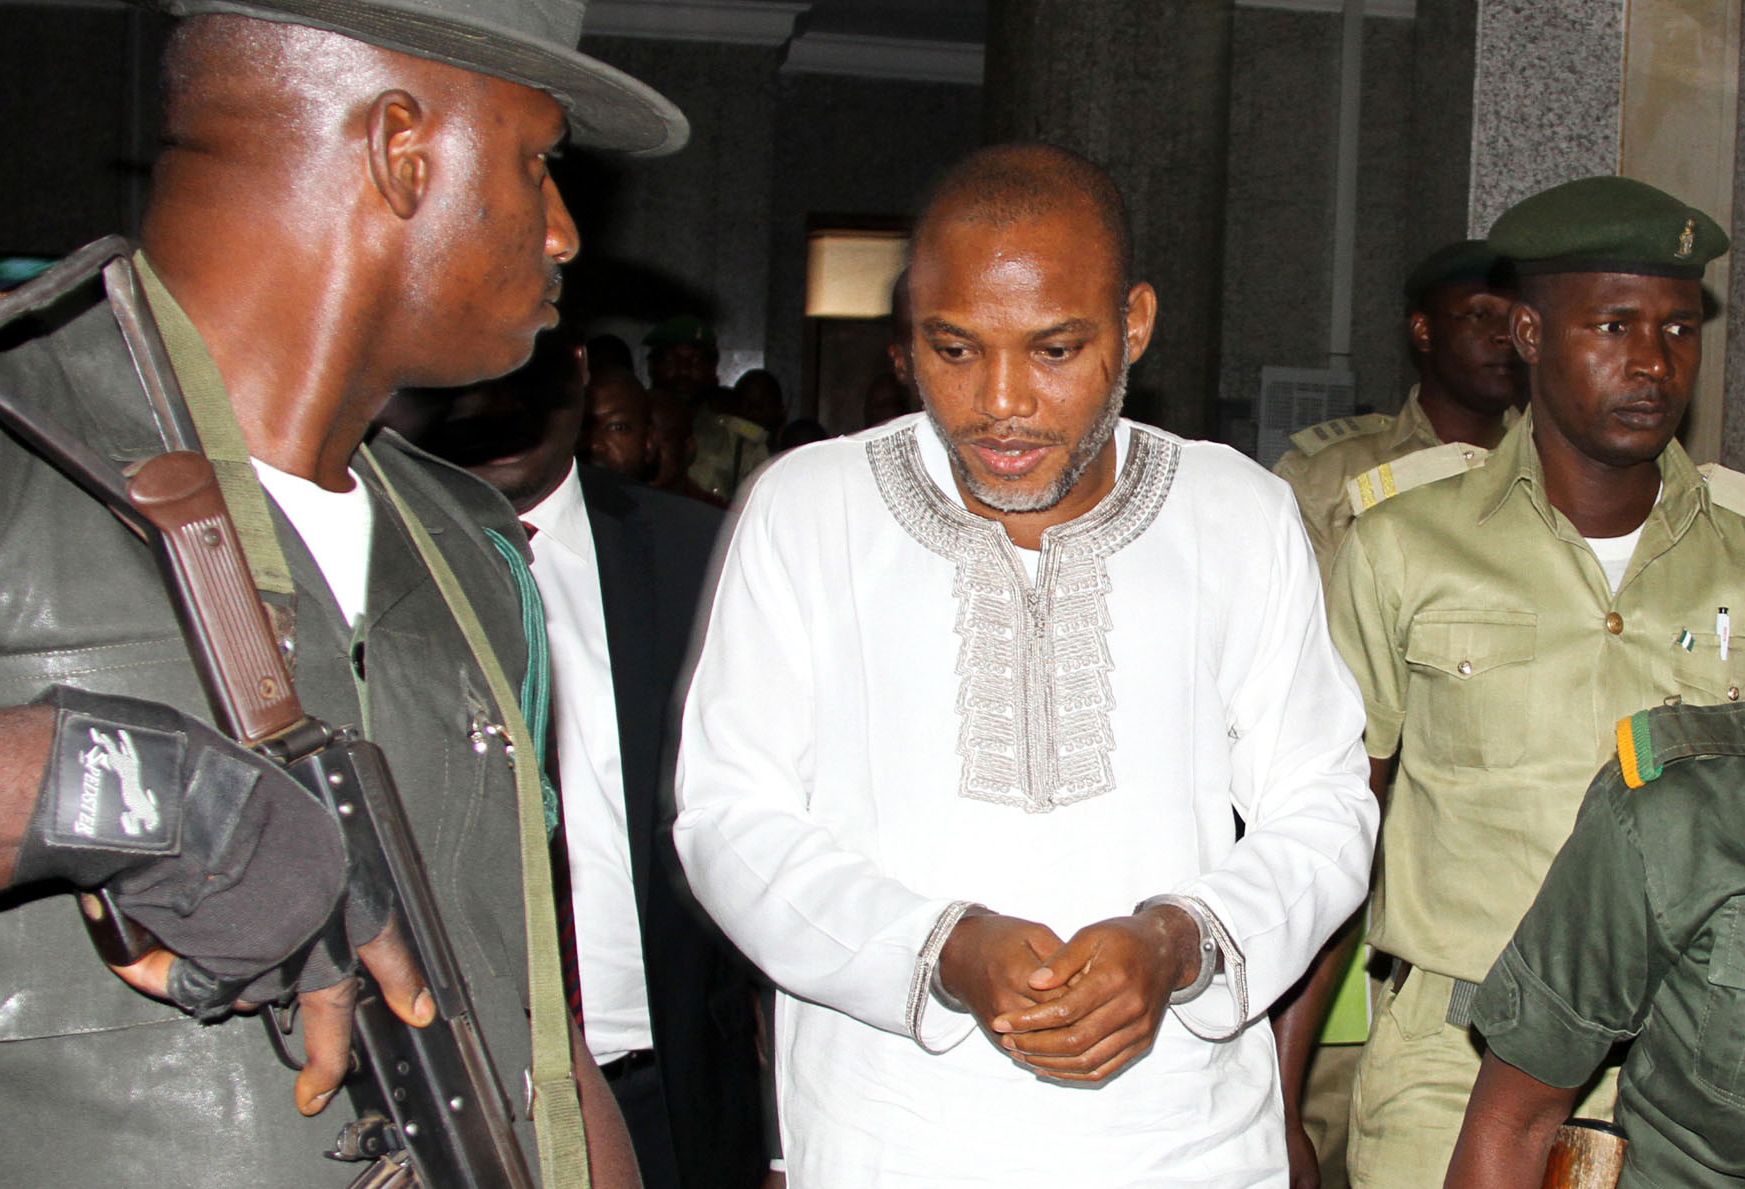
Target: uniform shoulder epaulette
1317	438
1726	487
1636	749
1652	739
1384	482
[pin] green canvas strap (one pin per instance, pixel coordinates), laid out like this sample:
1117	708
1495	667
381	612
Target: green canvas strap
220	438
557	1113
536	683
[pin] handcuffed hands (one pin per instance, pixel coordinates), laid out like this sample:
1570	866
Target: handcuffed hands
1079	1011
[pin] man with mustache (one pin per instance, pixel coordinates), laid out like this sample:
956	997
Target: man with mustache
1502	620
622	570
994	676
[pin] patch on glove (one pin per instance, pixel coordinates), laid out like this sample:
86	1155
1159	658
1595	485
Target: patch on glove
115	788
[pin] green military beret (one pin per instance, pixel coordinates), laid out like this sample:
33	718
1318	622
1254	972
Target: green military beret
1608	224
1464	260
676	332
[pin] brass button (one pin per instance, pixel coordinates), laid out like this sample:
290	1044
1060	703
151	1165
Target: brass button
1615	623
1464	668
1732	693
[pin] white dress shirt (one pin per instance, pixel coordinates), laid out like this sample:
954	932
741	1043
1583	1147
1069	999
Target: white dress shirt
859	755
590	776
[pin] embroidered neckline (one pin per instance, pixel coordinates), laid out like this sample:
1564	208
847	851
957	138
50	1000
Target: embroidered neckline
1033	661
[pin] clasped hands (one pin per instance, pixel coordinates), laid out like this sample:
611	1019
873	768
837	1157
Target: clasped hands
1073	1011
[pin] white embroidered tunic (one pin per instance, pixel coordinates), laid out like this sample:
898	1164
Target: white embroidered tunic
894	710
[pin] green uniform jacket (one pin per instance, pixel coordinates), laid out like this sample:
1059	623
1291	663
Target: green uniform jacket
1639	932
100	1086
1494	657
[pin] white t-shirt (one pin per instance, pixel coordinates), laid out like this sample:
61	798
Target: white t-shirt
1614	553
334	525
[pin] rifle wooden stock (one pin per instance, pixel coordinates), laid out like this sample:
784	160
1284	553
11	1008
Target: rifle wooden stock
1586	1154
226	626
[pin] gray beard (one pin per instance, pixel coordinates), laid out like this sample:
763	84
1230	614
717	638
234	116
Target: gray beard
998	496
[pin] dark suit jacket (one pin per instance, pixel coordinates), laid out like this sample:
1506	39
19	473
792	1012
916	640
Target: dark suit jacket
655	552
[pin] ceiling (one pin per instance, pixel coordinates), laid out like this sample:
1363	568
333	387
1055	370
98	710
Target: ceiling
922	20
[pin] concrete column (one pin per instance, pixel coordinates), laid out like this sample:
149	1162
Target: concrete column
1143	88
1644	88
1444	36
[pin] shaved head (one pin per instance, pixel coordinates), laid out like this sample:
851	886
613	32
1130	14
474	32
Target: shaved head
1006	184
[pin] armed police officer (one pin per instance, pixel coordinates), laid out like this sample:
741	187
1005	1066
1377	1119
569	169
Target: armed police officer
352	197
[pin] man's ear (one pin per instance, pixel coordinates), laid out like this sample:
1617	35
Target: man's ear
898	354
1524	331
1418	332
399	151
1141	319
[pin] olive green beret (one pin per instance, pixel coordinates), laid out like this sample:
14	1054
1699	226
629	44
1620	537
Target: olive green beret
1463	260
1608	224
676	332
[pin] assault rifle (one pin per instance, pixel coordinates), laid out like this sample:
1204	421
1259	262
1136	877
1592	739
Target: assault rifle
430	1109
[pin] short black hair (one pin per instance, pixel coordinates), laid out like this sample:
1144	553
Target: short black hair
1007	183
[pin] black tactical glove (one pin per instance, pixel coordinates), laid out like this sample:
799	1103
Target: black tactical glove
230	862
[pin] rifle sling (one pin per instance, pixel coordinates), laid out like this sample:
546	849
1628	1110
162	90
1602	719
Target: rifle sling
557	1114
220	439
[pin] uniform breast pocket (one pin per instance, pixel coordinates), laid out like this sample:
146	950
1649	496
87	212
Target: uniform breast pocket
1703	678
1720	1048
1470	693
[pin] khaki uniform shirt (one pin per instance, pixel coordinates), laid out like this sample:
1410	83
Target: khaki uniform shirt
1639	932
1318	473
1495	659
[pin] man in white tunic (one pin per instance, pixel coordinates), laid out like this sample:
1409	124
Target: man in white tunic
1018	653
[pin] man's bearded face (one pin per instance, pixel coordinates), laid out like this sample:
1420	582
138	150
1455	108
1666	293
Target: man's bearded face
1010	494
1021	349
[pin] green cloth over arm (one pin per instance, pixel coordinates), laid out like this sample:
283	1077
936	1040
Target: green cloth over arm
1588	957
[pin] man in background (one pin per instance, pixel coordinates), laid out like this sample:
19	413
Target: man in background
666	1003
615	432
1469	382
683	360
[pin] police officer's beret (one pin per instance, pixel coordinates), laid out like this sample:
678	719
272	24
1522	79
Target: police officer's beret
1608	224
676	332
1463	260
